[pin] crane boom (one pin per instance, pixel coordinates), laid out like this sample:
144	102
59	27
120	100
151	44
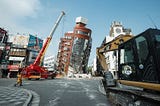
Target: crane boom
35	71
46	44
56	24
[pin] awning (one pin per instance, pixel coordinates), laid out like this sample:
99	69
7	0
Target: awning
16	58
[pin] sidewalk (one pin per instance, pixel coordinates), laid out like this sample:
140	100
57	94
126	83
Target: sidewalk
14	96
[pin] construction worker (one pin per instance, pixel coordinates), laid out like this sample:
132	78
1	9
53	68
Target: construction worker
19	79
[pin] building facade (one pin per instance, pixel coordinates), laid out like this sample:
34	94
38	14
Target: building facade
34	46
49	63
18	51
74	48
23	52
17	54
64	52
4	49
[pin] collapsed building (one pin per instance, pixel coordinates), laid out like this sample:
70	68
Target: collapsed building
74	49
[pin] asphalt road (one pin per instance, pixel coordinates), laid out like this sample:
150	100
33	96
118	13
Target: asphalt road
66	92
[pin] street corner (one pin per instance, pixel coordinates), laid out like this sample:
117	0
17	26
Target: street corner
10	96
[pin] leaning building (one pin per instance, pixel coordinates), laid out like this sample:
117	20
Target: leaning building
74	48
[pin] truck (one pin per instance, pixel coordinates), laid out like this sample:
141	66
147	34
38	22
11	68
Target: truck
138	82
35	70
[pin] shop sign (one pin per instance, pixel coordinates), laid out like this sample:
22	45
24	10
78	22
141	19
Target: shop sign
16	58
21	40
13	67
35	42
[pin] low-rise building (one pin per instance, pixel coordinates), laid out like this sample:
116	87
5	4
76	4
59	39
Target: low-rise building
49	63
23	51
17	51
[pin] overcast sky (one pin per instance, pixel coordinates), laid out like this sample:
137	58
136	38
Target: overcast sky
37	17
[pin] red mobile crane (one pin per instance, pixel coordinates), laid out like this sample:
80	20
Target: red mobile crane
35	71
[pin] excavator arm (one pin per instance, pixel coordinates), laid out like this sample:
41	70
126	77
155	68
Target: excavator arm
101	58
110	46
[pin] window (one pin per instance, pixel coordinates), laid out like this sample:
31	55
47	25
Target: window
157	41
68	37
67	43
142	48
82	32
122	56
157	44
65	48
157	38
126	54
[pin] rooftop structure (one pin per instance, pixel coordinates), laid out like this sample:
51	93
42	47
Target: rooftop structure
81	20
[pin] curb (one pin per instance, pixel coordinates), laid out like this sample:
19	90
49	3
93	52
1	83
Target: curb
101	88
35	99
29	99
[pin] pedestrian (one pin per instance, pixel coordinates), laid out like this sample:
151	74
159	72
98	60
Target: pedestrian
19	79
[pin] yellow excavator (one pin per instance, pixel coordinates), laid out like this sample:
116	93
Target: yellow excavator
138	82
110	46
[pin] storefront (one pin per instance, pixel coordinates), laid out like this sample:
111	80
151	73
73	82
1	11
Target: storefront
15	65
13	70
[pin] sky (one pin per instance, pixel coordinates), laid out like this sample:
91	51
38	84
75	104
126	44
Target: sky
37	17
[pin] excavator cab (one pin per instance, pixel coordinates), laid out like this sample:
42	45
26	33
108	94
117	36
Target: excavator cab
139	58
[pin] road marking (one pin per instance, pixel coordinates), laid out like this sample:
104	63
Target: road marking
26	83
55	101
